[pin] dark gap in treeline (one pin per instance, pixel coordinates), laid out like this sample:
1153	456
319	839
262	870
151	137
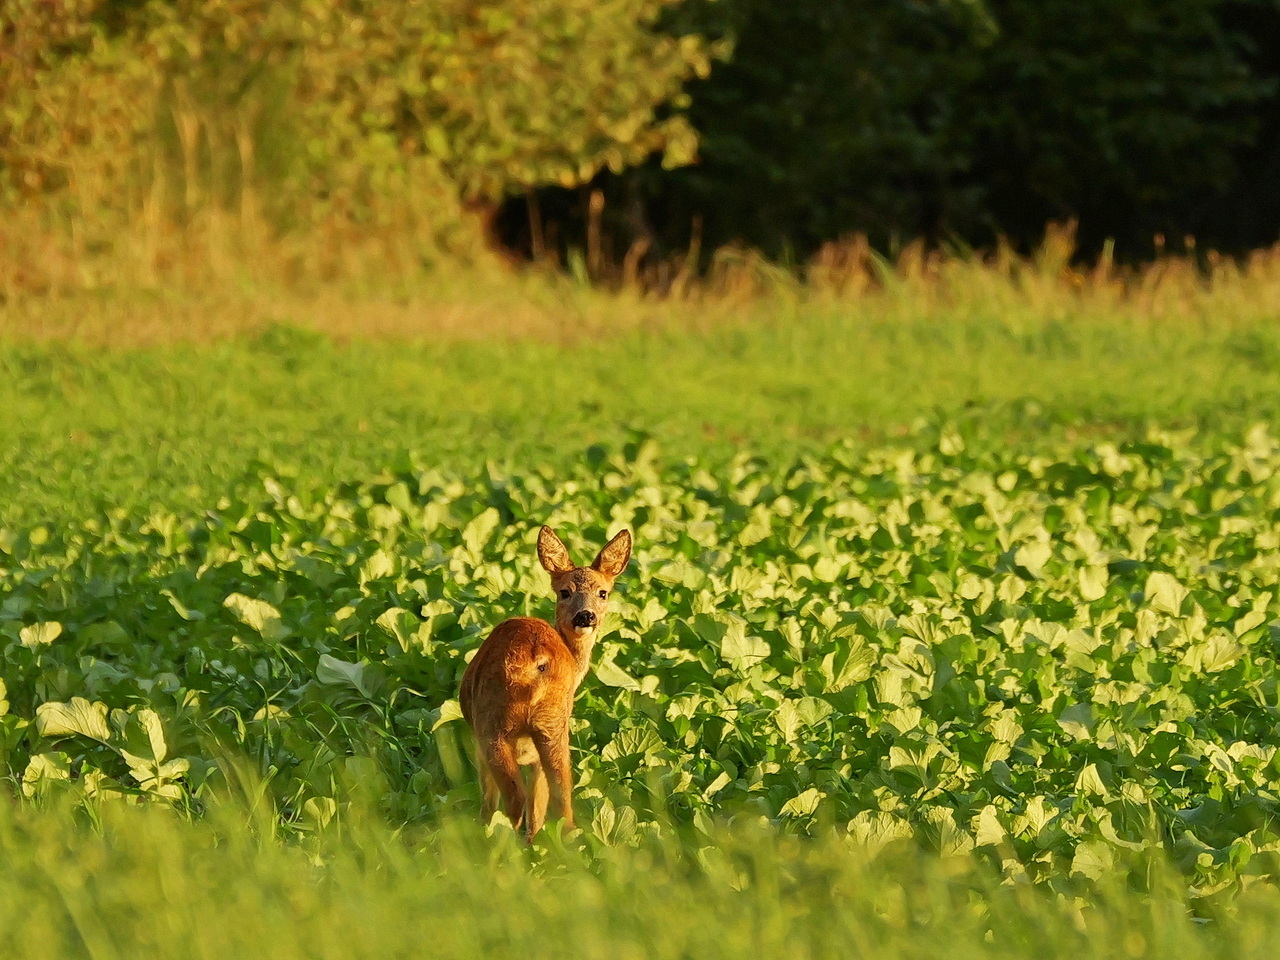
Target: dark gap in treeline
1154	124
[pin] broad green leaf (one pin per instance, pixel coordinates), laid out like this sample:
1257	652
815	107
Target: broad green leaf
612	675
150	723
1164	593
1006	728
875	829
380	565
728	632
1214	655
1089	783
802	805
1034	818
651	613
612	824
257	615
850	663
812	710
107	634
952	839
331	670
1093	859
1254	618
157	778
743	652
721	781
403	626
476	534
1077	720
1033	556
1093	581
449	711
320	811
987	829
185	612
43	769
758	528
681	572
40	634
788	718
632	742
77	717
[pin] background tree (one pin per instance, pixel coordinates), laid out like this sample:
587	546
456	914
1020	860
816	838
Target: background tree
333	109
948	120
970	121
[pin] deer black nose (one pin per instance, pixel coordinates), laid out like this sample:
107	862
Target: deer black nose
583	619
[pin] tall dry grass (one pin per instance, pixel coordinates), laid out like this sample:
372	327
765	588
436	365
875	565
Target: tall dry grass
214	279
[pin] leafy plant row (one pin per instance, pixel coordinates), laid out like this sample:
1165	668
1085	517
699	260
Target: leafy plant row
1060	654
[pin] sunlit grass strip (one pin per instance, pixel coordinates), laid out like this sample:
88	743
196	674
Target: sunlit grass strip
779	372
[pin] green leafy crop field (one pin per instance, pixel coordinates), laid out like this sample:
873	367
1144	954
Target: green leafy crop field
939	639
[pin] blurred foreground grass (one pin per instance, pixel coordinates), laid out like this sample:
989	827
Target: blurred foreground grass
144	883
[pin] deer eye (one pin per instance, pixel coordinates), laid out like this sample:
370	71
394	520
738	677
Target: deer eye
564	594
604	594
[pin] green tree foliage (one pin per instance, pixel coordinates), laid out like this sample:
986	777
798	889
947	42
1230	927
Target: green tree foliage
335	106
966	119
69	100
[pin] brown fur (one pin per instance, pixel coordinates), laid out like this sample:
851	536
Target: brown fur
517	692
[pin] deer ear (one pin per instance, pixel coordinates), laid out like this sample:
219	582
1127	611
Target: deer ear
613	558
552	553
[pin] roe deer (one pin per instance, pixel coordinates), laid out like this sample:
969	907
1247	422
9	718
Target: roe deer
517	692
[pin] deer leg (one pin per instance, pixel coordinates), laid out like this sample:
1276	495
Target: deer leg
537	801
553	751
506	773
488	785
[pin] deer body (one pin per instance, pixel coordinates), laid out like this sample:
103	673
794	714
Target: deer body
517	692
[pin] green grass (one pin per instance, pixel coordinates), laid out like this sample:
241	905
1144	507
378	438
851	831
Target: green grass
964	586
148	885
87	430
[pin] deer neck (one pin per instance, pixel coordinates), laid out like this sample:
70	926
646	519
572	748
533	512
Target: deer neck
580	645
